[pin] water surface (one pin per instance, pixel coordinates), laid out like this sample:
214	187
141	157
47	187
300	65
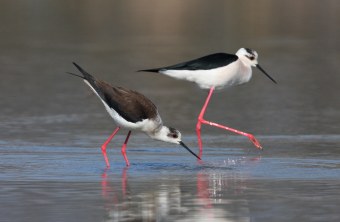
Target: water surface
52	126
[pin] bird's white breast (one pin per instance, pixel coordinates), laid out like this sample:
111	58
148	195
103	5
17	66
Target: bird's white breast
145	125
235	73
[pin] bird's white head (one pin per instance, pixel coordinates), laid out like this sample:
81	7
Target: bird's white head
170	135
250	57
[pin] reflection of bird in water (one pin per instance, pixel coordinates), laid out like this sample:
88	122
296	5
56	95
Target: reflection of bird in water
209	195
132	110
107	188
122	203
216	71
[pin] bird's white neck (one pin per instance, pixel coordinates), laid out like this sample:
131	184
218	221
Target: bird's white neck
159	133
162	134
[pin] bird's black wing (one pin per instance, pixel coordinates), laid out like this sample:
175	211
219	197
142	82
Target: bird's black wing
212	61
129	104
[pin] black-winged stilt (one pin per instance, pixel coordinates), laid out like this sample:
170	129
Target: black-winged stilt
216	71
131	110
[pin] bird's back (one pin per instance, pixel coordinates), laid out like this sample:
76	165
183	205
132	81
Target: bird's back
208	62
129	104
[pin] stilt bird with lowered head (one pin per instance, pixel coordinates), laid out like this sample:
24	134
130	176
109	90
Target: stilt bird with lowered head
131	110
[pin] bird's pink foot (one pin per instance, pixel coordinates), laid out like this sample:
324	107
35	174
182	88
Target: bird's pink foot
105	156
198	132
124	149
255	141
125	156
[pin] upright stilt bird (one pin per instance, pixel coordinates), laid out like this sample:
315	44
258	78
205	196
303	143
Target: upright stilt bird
216	71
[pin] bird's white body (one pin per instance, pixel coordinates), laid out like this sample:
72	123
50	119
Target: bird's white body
233	70
216	71
235	73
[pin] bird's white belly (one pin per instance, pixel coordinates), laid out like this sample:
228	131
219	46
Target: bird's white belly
146	125
121	121
233	74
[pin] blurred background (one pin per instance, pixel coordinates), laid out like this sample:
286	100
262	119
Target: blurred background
51	124
297	43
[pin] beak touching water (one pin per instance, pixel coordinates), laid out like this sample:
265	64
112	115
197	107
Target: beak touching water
187	148
264	72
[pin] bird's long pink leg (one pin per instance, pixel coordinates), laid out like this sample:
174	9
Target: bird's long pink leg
124	149
202	120
106	143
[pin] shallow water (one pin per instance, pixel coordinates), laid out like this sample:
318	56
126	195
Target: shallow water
40	183
51	167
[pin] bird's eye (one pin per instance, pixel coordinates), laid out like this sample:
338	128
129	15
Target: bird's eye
175	136
251	57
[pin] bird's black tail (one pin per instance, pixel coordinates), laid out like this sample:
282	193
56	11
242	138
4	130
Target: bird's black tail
149	70
86	75
73	74
88	78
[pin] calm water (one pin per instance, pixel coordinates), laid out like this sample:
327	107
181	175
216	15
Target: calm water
51	168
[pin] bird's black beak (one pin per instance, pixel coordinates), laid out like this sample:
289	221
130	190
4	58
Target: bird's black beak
264	72
187	148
